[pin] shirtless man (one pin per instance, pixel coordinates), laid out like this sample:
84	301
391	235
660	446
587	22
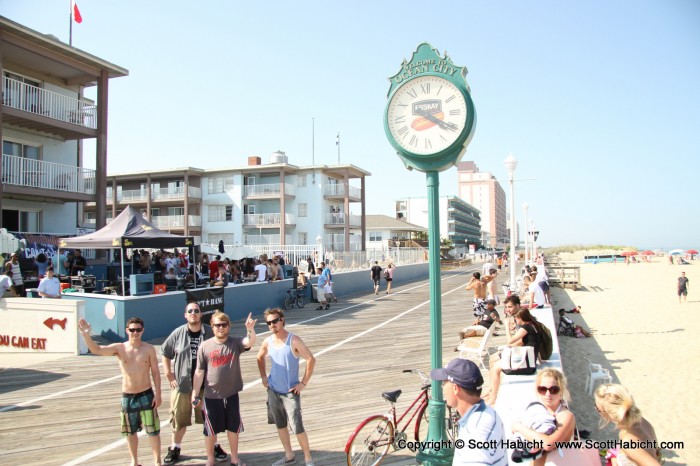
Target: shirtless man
478	284
491	291
140	399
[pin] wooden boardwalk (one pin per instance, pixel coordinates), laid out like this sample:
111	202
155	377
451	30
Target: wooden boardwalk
66	412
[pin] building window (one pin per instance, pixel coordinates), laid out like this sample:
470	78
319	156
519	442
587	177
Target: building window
220	213
220	184
302	210
375	236
302	237
301	181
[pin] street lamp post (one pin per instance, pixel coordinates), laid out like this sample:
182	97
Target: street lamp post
319	248
510	163
534	245
527	234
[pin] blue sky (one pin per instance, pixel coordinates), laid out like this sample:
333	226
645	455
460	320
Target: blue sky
597	100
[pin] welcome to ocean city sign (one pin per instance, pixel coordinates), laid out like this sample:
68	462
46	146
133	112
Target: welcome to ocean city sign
409	70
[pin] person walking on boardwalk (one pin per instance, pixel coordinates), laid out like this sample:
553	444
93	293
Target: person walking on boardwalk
389	276
179	352
284	385
140	399
375	274
682	288
478	285
219	363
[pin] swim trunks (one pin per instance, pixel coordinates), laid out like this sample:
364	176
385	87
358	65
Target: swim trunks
138	413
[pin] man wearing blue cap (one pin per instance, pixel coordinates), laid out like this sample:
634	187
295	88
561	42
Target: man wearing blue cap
480	435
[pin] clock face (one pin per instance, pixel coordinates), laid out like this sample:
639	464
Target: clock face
426	115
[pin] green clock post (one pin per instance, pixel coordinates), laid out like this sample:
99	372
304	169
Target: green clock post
429	120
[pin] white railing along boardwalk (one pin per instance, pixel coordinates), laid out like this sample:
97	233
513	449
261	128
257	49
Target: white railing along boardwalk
20	171
33	99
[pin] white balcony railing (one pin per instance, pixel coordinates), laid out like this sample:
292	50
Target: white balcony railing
20	171
266	239
268	219
132	195
175	221
338	190
17	94
179	193
269	190
339	219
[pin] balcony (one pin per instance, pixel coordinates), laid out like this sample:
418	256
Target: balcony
266	239
336	242
134	196
338	220
27	176
268	191
168	222
167	194
337	191
34	108
267	220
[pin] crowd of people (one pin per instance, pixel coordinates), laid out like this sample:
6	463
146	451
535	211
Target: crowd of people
547	419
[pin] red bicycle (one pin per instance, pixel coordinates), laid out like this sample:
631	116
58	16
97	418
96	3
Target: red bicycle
370	442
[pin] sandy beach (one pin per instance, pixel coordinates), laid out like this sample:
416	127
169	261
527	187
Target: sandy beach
644	337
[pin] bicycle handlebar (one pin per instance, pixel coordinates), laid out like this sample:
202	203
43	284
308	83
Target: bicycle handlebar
426	380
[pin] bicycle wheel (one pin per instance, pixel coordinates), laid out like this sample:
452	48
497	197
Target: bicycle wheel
288	303
451	418
370	442
301	302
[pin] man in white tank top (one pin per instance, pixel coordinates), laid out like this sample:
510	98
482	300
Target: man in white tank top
284	385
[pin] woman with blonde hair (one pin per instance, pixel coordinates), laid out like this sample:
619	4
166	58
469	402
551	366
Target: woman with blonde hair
615	404
552	392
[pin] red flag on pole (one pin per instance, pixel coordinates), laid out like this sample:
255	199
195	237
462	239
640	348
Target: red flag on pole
76	14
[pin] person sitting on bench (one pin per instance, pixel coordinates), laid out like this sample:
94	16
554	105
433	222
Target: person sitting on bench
482	323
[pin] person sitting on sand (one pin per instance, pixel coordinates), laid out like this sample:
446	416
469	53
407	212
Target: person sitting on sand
577	328
615	404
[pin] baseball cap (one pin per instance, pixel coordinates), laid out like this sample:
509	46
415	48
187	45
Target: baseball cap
462	372
490	301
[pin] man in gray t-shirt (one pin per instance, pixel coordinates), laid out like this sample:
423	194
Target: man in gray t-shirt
218	361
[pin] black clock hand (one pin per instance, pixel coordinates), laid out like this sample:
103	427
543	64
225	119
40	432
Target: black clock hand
439	122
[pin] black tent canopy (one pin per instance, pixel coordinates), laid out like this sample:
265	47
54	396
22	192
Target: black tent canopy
128	230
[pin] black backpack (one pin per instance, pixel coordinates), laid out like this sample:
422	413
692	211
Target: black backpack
546	346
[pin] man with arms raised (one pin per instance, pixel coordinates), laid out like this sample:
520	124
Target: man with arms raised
478	285
180	350
140	399
461	389
218	360
284	385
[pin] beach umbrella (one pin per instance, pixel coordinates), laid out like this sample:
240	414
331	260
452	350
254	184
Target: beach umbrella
629	253
675	252
648	253
691	251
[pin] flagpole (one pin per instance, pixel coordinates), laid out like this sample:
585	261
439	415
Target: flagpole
70	23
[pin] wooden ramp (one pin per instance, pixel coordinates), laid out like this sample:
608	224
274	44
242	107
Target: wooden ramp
66	411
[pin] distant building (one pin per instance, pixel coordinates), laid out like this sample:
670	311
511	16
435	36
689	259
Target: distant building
459	221
384	231
44	117
483	191
274	204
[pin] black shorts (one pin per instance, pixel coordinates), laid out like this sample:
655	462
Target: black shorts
222	415
544	286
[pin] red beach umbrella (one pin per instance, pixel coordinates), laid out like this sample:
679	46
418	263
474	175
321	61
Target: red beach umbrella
691	251
629	253
648	253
